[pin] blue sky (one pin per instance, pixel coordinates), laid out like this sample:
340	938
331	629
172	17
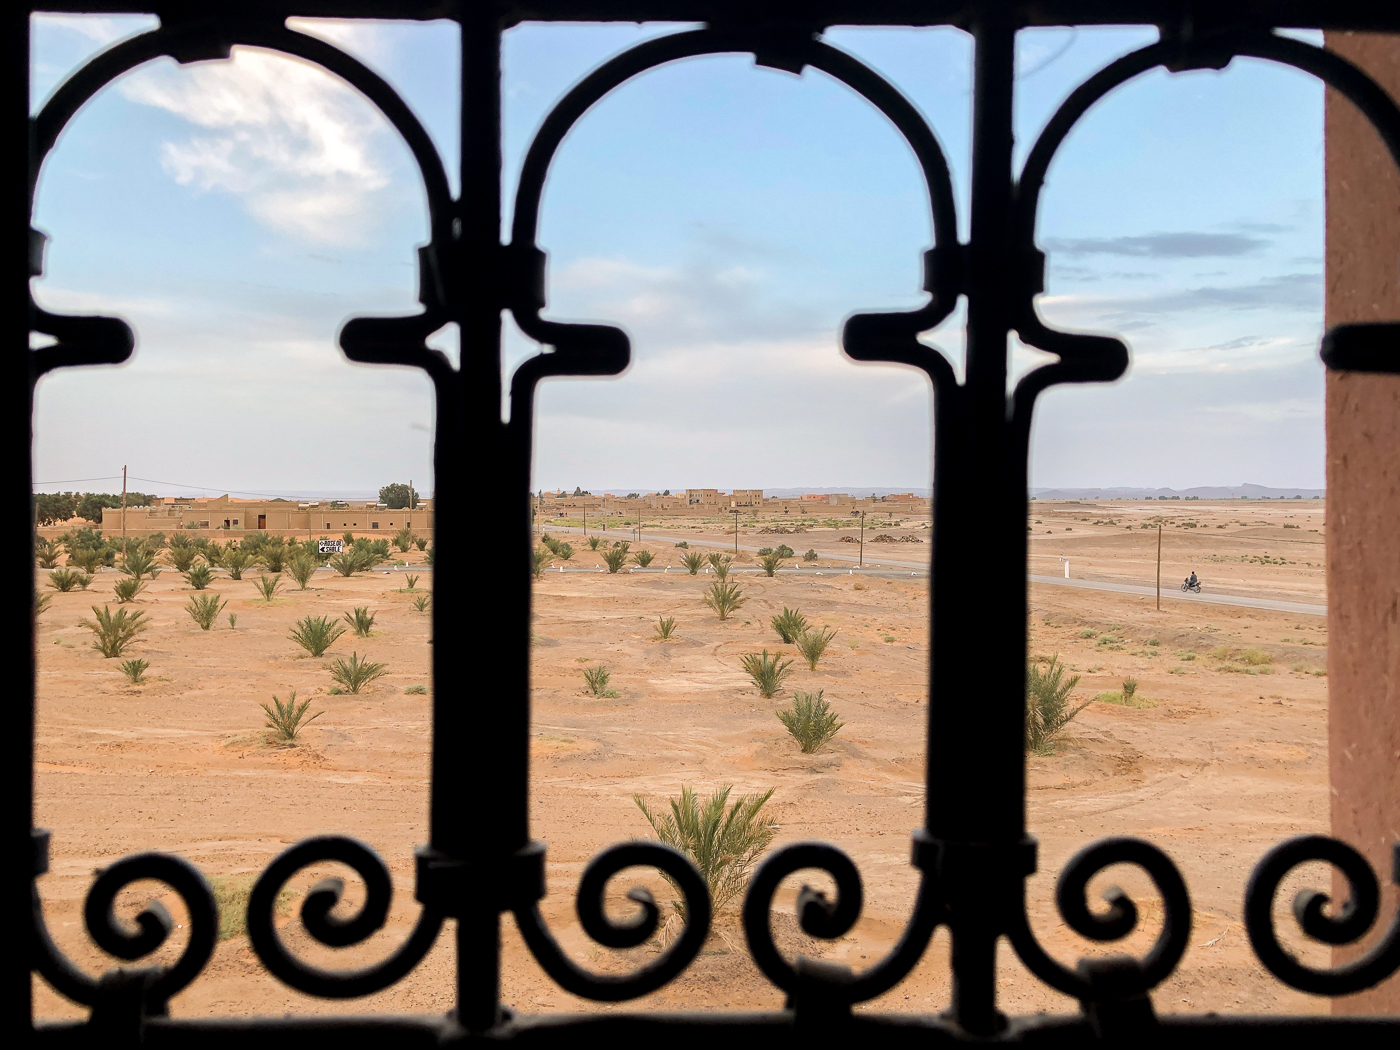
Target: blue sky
728	217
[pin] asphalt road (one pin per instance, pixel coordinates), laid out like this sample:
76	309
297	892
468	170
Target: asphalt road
878	565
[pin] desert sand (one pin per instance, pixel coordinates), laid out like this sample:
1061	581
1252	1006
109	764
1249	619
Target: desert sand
1226	757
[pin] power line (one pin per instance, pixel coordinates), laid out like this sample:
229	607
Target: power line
77	481
206	488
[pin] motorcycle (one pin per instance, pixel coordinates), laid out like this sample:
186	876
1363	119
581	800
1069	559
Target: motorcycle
1187	585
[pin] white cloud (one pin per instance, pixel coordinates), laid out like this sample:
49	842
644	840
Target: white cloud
299	147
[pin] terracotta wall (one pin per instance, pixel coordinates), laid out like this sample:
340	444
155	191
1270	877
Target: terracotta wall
1363	494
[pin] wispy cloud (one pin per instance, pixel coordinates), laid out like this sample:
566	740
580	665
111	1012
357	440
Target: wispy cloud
298	147
1184	245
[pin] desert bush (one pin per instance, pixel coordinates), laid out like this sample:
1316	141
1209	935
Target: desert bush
361	620
623	545
288	719
766	671
615	558
274	558
347	563
538	556
204	609
114	632
421	602
565	551
763	552
126	590
135	671
47	552
316	633
347	538
354	674
63	580
813	643
215	553
302	567
593	542
403	539
790	625
421	543
784	551
811	721
811	554
724	598
1047	704
643	558
665	627
720	563
182	558
267	586
597	679
1256	657
235	561
683	545
199	576
1129	688
693	561
411	580
85	579
549	543
232	621
138	562
417	690
723	843
87	550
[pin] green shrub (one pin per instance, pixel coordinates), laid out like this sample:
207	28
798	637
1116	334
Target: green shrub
302	566
724	598
421	543
347	538
771	562
417	690
811	721
204	609
199	577
593	542
288	719
811	554
720	563
763	552
1129	688
1256	657
267	586
135	671
139	562
403	539
232	621
411	580
361	620
784	551
813	643
235	561
63	580
549	543
665	627
183	557
766	671
41	602
114	633
723	843
273	554
1088	632
615	558
693	561
1047	705
47	552
539	555
347	563
316	633
565	551
790	625
643	558
597	679
683	545
421	602
354	674
126	590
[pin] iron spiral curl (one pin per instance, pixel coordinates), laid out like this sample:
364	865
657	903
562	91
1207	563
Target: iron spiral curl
334	932
1347	925
628	933
1121	918
828	919
153	926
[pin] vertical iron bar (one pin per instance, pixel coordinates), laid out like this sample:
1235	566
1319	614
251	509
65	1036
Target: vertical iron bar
17	794
982	747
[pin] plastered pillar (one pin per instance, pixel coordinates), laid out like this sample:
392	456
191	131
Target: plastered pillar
1363	497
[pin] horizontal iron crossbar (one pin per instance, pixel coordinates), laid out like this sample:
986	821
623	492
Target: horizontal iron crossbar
480	864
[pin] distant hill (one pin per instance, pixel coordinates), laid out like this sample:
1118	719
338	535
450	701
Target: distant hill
1245	491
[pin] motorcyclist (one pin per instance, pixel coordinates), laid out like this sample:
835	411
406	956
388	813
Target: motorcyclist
1192	581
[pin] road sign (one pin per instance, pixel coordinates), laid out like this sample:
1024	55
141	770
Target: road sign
330	546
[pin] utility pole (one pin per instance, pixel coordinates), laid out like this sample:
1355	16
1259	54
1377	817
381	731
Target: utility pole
585	523
736	532
862	541
1159	568
123	508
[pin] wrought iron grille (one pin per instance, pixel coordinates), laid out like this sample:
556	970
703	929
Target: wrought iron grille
973	853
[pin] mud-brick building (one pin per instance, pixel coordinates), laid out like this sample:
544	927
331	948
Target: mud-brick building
167	514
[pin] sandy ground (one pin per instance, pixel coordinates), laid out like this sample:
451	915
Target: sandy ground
1227	757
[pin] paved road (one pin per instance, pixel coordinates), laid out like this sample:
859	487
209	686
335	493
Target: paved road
878	565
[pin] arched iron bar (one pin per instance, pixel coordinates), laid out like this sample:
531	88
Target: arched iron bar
1087	358
604	350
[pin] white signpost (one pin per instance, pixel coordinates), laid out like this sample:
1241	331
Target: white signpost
330	546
